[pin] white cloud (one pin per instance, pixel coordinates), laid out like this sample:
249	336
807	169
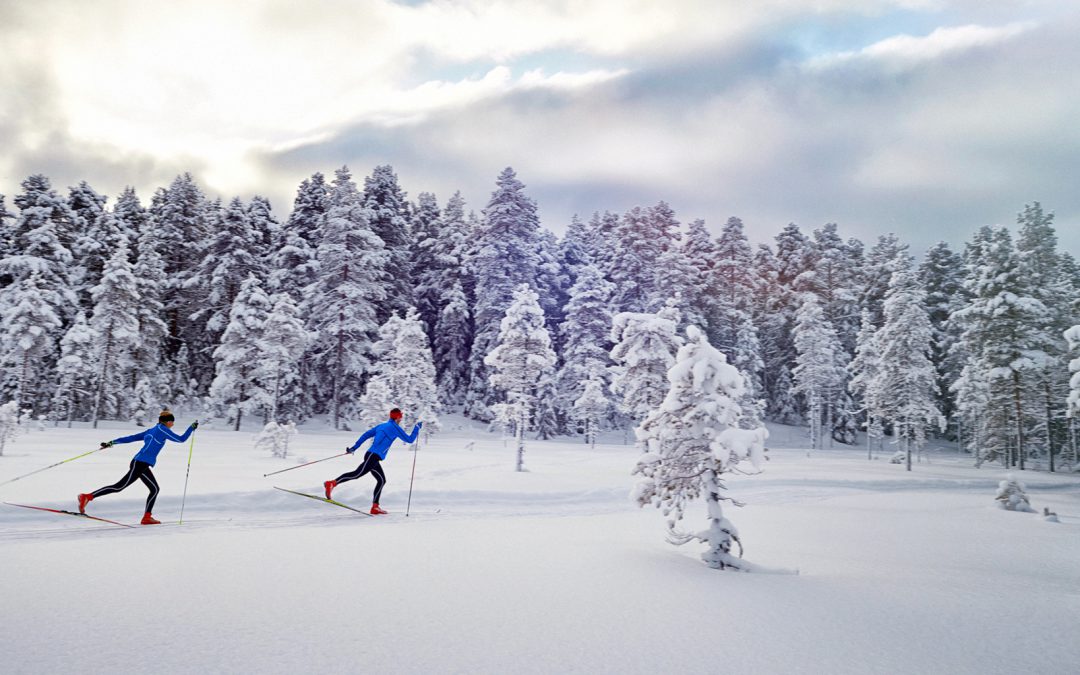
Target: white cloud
905	51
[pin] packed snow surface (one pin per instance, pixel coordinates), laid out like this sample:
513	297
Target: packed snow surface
552	570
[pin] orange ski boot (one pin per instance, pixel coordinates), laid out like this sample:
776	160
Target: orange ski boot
376	510
148	519
329	487
84	499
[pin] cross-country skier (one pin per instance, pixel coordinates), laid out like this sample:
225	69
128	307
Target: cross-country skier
153	441
384	434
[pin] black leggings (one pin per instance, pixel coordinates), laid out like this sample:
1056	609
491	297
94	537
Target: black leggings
140	471
369	465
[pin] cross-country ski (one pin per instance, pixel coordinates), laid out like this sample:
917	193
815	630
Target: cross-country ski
71	513
324	500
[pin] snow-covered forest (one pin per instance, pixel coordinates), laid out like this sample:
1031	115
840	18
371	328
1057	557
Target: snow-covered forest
363	298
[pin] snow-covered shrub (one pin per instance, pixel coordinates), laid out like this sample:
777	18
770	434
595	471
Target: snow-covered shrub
9	423
1049	516
692	439
1011	495
899	457
275	438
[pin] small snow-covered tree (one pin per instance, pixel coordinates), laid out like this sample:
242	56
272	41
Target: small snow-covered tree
1012	495
585	337
402	375
645	346
241	352
9	423
593	406
692	440
276	438
522	356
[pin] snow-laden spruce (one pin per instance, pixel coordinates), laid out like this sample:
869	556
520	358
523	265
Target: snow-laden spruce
520	359
115	329
402	376
241	352
593	406
692	439
1012	495
275	438
1073	337
284	340
9	423
645	346
820	370
585	342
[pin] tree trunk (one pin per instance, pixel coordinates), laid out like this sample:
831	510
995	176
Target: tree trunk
239	407
1049	428
1019	419
521	440
101	378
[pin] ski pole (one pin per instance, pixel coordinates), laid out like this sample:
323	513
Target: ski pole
305	464
411	478
72	459
191	449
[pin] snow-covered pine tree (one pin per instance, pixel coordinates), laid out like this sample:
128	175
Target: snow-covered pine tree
819	373
1040	264
906	382
75	371
645	347
593	406
1073	337
232	256
641	238
522	356
9	424
865	371
131	216
941	277
402	375
264	231
1012	495
548	285
505	245
241	354
115	328
149	351
292	264
877	272
574	253
388	217
1004	336
284	341
341	306
6	234
452	331
602	241
95	236
692	440
427	260
585	338
676	277
276	438
30	323
546	418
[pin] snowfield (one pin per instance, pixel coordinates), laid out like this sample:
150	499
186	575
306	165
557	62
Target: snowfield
549	571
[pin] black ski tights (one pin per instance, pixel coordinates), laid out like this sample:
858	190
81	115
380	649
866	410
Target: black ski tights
138	471
370	465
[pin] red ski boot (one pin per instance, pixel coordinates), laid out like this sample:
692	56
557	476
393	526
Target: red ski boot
84	499
148	519
376	511
329	487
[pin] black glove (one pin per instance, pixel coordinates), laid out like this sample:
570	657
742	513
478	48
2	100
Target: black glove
106	444
350	450
195	424
419	425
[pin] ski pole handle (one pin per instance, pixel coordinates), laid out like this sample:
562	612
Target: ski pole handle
51	466
305	464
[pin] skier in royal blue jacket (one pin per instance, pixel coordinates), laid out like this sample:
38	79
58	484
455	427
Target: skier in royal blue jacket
153	440
384	434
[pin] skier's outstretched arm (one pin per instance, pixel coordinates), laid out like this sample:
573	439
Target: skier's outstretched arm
126	439
171	435
411	437
360	441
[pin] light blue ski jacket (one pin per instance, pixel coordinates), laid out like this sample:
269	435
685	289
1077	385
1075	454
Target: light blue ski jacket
384	434
153	440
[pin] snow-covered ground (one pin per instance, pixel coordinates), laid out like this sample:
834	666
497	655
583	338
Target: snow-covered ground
548	571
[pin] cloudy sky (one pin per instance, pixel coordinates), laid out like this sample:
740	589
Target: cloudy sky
924	117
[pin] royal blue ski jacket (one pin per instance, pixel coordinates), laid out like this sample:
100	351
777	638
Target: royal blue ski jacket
153	440
384	434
